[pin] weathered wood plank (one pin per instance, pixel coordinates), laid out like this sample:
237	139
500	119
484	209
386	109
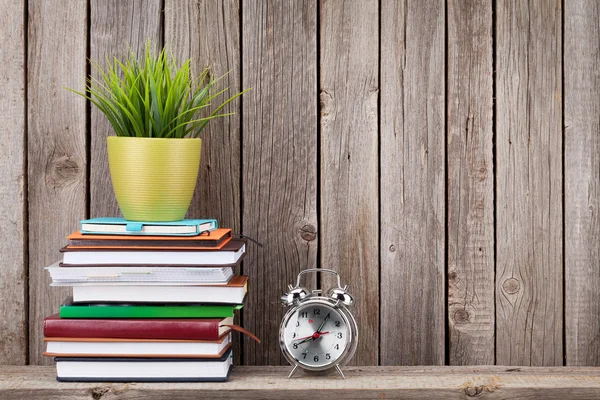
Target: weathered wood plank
412	183
279	160
209	33
115	28
56	148
13	263
582	182
529	183
470	185
361	383
349	161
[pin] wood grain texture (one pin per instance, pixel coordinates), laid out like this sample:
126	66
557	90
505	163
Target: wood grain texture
349	160
116	27
56	149
13	262
582	182
414	383
208	32
470	185
412	183
529	281
279	161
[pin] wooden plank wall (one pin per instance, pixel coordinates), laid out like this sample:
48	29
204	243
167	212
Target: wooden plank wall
470	185
56	148
13	186
443	156
349	159
412	194
529	228
582	182
279	153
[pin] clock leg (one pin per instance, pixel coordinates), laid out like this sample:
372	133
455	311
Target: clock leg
292	373
339	370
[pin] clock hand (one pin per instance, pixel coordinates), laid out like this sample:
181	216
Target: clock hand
308	339
305	337
314	336
323	323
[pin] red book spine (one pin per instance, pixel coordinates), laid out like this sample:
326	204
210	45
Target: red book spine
174	329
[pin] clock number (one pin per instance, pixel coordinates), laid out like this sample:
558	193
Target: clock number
328	356
337	347
317	311
294	335
337	324
339	335
316	358
304	314
304	356
295	346
297	324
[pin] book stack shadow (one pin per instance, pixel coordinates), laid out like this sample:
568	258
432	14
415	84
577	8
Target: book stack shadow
151	302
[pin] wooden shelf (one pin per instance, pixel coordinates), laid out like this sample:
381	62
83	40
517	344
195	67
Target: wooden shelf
493	382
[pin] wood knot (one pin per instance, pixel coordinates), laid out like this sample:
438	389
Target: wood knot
61	171
461	317
482	173
99	392
325	98
392	248
473	389
511	286
308	232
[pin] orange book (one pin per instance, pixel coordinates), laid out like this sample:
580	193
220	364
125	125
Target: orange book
212	240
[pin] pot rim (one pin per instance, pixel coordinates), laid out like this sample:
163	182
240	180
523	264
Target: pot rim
147	138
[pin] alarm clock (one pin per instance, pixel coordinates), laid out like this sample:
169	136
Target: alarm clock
318	333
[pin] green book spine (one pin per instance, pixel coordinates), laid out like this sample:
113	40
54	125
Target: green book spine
132	311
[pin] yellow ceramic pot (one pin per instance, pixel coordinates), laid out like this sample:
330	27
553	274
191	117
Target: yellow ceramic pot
154	179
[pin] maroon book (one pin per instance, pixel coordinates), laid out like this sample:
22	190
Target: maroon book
173	329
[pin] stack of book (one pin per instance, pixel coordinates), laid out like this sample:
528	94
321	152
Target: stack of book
151	302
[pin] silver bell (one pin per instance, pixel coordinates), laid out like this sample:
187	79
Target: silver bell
295	294
342	295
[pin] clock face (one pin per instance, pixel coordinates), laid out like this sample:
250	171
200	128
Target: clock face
316	335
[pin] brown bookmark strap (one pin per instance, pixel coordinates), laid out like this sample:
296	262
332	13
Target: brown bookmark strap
242	236
242	330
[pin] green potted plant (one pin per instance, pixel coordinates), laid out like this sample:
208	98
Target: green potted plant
157	110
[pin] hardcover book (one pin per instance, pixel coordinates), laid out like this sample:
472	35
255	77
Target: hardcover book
227	255
146	348
191	274
120	226
216	239
119	310
231	293
96	369
180	329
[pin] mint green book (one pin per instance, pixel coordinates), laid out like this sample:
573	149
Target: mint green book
72	310
120	226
